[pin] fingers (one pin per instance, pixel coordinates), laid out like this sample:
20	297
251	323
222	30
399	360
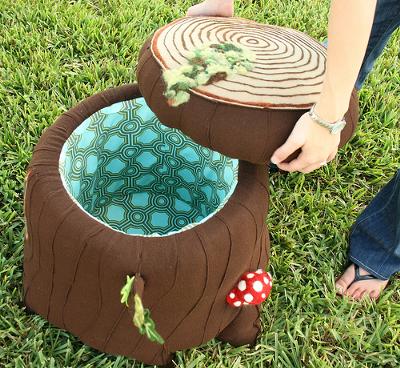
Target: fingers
284	151
304	164
297	164
313	167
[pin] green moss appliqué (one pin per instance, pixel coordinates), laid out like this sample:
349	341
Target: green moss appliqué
206	65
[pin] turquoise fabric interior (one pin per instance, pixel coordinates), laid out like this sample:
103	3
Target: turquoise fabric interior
127	170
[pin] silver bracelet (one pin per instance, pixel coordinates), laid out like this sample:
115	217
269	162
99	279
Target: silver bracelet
318	119
334	127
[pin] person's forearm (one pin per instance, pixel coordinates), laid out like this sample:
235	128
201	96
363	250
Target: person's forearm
350	23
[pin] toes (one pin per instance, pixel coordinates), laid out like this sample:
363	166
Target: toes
345	280
352	289
340	287
371	288
374	294
358	294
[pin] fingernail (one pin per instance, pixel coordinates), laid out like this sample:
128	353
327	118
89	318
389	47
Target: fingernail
273	160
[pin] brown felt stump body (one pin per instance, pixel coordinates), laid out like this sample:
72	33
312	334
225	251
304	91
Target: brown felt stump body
112	192
245	116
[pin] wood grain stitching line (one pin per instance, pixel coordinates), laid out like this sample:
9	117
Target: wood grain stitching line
223	278
114	326
192	28
140	261
49	196
140	67
175	277
150	306
262	245
139	272
124	310
234	200
28	201
99	289
65	215
165	294
269	87
273	86
204	329
273	32
204	288
77	263
182	108
262	185
258	319
268	134
209	125
258	306
173	43
176	28
255	105
227	266
204	92
290	38
255	222
259	241
153	87
276	41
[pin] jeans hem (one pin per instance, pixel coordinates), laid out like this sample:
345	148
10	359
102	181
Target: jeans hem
367	268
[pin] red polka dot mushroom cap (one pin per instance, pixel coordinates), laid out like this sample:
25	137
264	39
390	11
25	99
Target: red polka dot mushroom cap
252	288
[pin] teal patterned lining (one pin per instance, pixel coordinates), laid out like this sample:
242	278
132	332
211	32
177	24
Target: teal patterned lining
127	170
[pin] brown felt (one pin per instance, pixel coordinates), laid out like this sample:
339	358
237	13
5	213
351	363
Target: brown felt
248	133
75	267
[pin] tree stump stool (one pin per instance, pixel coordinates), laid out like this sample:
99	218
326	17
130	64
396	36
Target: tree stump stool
112	192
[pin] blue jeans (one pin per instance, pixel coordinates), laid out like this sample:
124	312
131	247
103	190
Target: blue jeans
375	237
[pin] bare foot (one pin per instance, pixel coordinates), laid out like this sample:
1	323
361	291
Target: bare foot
220	8
358	289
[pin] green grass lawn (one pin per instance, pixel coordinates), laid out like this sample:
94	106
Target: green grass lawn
54	53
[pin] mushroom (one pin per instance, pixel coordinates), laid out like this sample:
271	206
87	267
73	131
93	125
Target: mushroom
253	288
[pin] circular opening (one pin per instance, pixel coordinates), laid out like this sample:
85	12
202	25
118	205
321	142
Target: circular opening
137	176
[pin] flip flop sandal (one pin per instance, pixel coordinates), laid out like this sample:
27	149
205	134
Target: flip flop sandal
359	277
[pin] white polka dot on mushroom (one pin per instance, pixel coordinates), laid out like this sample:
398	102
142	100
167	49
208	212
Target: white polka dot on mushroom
266	280
242	285
248	298
263	295
259	271
250	275
232	295
237	304
258	286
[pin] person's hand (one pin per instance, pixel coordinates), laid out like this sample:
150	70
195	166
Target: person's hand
318	147
219	8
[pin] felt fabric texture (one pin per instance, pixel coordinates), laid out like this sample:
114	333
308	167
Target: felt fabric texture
288	68
75	266
244	132
204	66
129	171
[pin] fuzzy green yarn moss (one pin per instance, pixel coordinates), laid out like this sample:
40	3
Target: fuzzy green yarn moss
208	64
141	318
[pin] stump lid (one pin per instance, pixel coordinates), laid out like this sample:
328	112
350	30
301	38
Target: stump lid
288	66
